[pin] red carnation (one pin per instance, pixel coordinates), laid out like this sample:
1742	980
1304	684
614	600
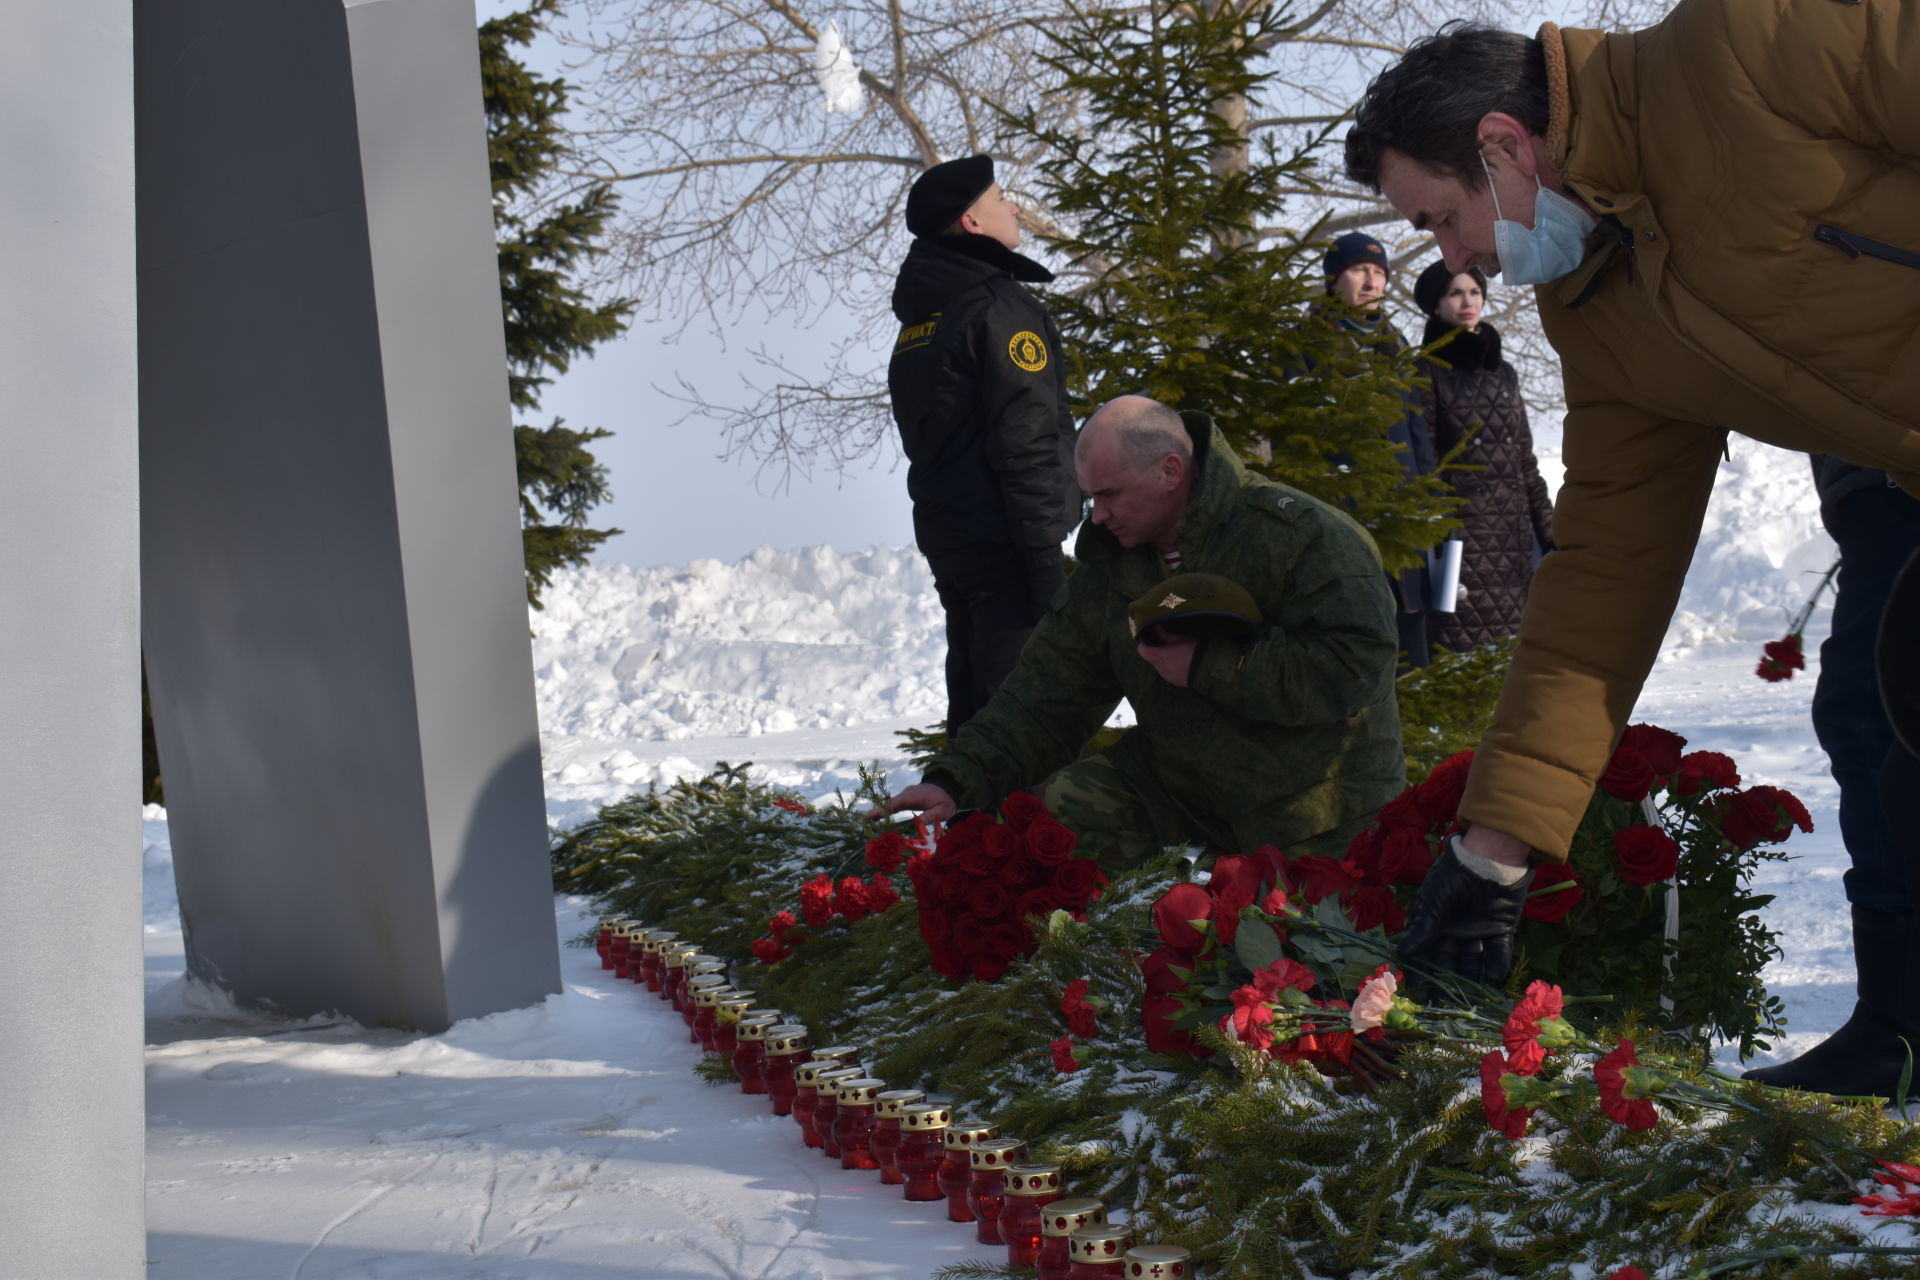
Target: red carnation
1628	1272
781	925
1080	1015
791	806
1271	979
1318	877
1522	1031
770	950
1629	775
1705	771
1779	659
1063	1060
881	894
1610	1074
886	853
1052	844
1178	912
851	899
1552	908
1659	747
1251	1022
1021	809
1506	1119
1644	854
816	900
1275	903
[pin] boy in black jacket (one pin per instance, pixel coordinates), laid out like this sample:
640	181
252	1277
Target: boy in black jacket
980	395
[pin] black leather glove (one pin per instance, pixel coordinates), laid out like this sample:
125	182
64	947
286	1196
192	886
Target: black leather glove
1464	922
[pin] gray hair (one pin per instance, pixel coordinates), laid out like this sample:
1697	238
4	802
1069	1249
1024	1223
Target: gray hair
1144	430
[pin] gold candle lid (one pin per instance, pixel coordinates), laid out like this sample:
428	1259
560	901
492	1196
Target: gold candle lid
785	1040
827	1083
752	1014
846	1053
996	1153
807	1074
1104	1243
962	1134
1158	1262
707	964
708	992
893	1101
679	953
859	1091
921	1117
1064	1217
757	1028
1033	1179
658	940
733	1006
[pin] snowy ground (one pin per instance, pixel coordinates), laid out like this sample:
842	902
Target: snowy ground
572	1140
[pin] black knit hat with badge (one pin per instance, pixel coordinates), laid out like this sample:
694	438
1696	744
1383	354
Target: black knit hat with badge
941	194
1355	246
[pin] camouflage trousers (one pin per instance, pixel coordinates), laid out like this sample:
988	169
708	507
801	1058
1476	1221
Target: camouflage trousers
1121	817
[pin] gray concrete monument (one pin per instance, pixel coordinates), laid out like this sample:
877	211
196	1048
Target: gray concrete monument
334	615
71	1106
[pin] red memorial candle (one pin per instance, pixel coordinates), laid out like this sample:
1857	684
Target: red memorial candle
826	1105
652	951
787	1047
727	1013
1098	1252
1061	1219
1030	1189
853	1121
750	1055
923	1126
1157	1262
886	1129
956	1166
987	1184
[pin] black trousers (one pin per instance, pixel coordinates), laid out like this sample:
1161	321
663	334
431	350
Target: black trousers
992	606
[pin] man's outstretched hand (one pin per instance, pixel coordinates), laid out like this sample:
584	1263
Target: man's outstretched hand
934	804
1463	921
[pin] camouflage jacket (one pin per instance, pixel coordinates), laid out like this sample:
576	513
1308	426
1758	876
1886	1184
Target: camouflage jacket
1291	738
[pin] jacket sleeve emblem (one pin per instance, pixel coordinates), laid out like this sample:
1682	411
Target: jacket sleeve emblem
916	335
1027	351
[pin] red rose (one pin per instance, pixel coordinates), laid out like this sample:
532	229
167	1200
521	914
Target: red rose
1760	815
1705	771
1021	810
966	834
1228	902
770	950
947	962
1236	874
950	887
1033	902
970	933
1318	877
1076	881
989	900
920	870
1063	1060
1659	747
1779	659
1272	864
987	966
1009	939
1502	1118
886	853
1157	1014
1370	905
1052	844
1440	794
1409	809
1002	842
978	863
1552	908
1405	857
1364	855
1177	914
1629	775
881	894
935	926
1645	855
1167	970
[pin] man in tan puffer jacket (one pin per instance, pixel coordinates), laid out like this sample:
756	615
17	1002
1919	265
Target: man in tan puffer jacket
1721	215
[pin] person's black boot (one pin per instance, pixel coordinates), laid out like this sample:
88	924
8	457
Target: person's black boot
1866	1055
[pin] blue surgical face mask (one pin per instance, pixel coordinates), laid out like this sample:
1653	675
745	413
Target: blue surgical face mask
1551	248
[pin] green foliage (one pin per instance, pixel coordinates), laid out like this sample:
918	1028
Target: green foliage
1266	1170
549	319
1158	198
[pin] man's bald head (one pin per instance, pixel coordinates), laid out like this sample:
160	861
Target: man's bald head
1135	461
1140	430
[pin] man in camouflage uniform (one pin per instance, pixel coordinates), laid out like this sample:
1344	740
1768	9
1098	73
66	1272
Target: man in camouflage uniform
1289	736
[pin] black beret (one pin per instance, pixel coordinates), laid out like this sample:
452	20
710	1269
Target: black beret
1434	282
944	192
1355	246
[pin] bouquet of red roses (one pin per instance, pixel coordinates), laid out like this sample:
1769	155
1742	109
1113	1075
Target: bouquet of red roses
986	876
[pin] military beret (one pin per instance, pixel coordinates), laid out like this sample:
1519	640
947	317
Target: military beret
1355	246
1435	281
941	194
1194	604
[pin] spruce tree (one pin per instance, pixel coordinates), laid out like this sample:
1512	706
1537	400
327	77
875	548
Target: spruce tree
549	317
1158	192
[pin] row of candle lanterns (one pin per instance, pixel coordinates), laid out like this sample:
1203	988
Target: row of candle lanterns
914	1143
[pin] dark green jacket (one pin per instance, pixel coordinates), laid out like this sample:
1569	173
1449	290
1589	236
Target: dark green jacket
1291	738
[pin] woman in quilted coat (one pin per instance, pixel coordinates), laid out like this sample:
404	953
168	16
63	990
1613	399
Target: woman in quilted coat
1474	395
